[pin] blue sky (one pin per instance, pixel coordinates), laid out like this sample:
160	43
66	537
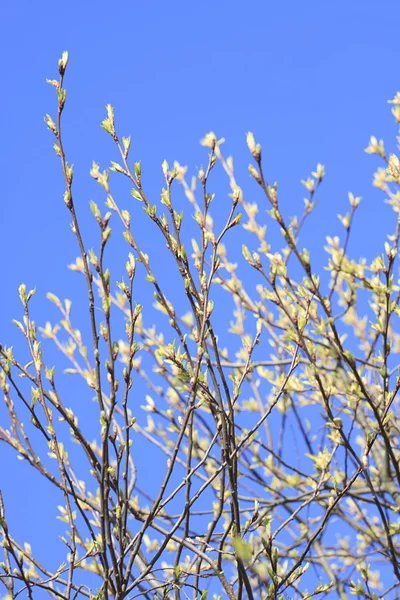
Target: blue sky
311	79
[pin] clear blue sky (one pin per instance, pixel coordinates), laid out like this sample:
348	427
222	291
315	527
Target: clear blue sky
311	79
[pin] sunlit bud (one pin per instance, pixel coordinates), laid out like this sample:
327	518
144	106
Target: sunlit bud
165	168
126	142
22	293
94	171
126	217
62	63
309	184
250	142
259	326
116	167
209	140
257	259
237	195
201	175
396	113
345	220
354	202
69	172
396	99
179	172
137	169
375	147
57	149
254	148
106	234
131	266
254	173
53	82
394	167
95	210
50	124
319	172
108	123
